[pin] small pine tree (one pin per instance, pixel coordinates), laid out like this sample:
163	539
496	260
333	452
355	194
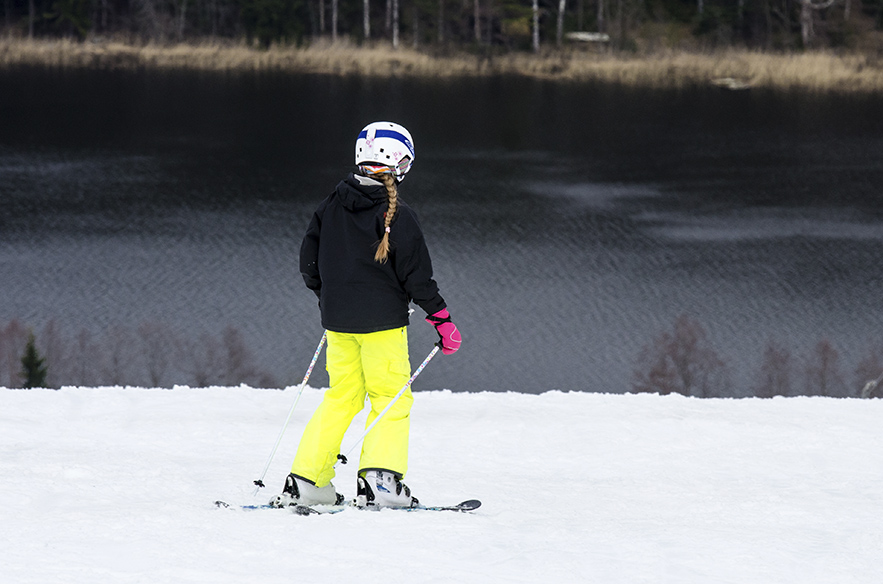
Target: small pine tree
33	366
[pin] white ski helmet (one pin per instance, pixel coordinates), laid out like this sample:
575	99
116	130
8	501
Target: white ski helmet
386	144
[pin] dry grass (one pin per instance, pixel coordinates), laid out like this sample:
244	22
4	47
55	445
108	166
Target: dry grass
817	71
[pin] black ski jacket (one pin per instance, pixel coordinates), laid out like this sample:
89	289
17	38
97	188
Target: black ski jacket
356	293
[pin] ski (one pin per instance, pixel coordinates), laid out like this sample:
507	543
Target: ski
226	505
470	505
465	506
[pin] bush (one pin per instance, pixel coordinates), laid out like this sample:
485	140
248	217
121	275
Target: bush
681	361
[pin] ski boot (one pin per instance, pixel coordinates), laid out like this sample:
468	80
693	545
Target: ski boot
379	488
298	491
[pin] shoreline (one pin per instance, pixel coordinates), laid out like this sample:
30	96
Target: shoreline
730	69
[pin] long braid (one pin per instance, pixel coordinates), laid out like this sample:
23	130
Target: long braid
382	253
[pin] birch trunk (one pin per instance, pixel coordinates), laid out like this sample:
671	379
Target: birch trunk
807	30
366	18
559	35
395	24
535	7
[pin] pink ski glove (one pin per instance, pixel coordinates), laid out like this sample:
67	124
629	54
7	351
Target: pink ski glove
447	331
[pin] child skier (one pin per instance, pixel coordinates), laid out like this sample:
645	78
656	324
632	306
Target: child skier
365	257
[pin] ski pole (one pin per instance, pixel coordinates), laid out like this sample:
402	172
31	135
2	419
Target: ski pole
260	481
342	457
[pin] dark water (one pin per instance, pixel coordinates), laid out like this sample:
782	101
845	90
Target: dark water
569	224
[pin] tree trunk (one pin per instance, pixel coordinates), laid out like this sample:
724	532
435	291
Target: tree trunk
807	32
700	7
321	16
366	19
182	19
334	11
395	24
477	22
806	29
535	7
602	26
388	21
559	34
441	21
32	13
216	18
416	26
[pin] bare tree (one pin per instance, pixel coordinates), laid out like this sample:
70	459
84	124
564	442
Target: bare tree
238	366
120	357
13	339
52	346
159	345
807	11
775	372
85	360
682	361
823	377
148	18
205	360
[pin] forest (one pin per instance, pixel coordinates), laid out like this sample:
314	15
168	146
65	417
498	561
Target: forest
490	26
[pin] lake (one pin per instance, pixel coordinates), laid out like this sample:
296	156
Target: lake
569	224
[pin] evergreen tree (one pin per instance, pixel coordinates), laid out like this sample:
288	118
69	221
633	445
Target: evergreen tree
33	366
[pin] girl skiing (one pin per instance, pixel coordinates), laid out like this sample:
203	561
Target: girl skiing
365	257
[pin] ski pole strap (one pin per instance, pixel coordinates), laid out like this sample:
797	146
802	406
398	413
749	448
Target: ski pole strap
437	320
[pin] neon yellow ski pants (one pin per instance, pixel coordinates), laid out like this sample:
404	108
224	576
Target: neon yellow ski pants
372	364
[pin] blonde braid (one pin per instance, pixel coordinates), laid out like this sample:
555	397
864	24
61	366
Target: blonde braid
382	252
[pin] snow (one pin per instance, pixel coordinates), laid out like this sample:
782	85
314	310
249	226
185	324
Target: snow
117	485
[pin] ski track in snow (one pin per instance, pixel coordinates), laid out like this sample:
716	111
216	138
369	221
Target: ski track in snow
117	485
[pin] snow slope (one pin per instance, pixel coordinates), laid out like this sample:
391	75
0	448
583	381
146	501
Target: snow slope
116	485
